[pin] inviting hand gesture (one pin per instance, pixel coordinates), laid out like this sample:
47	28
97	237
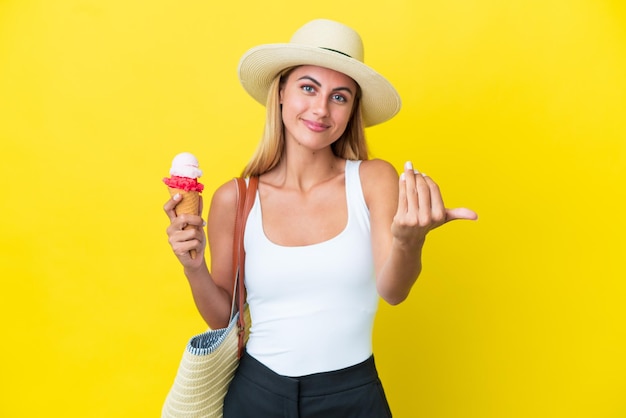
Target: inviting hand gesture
421	208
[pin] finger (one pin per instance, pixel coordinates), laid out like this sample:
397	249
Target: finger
183	249
170	206
402	204
175	230
187	220
184	240
438	209
460	213
184	222
423	194
410	188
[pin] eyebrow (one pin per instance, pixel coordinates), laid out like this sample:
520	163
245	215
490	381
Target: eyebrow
317	83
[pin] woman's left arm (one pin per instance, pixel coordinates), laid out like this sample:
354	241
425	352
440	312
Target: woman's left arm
402	212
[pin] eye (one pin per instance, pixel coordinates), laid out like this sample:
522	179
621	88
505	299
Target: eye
308	88
339	98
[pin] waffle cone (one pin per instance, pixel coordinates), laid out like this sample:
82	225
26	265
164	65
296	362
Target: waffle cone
190	203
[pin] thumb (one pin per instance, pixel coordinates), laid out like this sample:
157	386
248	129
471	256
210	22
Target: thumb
460	213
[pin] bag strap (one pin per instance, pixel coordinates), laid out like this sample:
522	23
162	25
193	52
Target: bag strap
245	199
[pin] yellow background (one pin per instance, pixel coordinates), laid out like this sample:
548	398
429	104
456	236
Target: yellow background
516	107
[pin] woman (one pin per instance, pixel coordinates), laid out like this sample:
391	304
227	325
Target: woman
329	233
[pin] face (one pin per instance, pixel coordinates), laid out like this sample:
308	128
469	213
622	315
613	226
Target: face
316	105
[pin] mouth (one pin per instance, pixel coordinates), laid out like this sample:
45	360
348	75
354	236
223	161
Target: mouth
315	126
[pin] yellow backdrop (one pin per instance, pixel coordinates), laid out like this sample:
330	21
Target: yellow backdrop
516	107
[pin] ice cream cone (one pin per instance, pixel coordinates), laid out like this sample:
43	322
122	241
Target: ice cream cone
184	174
190	203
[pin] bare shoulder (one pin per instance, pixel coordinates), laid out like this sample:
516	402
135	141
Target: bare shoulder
225	196
379	179
221	215
377	167
220	231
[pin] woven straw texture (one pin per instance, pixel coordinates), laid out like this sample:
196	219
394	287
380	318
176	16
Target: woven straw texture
205	371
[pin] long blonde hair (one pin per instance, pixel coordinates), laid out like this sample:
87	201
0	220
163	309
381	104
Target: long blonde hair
351	145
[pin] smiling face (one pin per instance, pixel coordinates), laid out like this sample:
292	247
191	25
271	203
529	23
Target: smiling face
316	105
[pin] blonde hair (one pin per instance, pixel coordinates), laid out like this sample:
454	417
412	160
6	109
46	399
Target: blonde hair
351	145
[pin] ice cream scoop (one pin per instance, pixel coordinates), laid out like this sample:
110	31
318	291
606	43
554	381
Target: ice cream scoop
185	164
184	174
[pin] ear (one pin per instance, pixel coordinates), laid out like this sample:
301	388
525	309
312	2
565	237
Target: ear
280	95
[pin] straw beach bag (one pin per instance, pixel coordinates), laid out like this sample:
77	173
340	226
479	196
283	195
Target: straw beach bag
210	359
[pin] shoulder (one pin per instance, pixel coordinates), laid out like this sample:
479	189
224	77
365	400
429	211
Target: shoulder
225	194
376	167
379	179
224	200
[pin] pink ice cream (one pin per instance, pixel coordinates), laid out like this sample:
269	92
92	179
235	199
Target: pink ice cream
184	173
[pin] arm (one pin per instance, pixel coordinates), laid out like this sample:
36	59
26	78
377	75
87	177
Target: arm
402	212
212	292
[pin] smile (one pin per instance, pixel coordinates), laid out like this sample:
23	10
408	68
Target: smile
315	126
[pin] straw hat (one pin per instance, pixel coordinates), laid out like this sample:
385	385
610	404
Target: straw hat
323	43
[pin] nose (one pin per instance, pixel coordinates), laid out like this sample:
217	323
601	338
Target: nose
320	105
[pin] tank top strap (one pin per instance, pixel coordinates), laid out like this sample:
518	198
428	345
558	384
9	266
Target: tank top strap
357	207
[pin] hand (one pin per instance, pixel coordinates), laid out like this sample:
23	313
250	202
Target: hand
185	233
421	208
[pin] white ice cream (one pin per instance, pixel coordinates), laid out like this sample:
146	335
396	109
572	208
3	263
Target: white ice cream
185	165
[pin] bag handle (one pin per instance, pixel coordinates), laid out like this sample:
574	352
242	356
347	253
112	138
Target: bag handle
245	199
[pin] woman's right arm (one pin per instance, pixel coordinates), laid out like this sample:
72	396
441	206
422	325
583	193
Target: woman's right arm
212	292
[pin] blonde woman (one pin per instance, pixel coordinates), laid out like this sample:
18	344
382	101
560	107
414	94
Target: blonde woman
330	232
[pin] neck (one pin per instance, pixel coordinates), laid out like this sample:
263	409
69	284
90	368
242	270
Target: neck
305	170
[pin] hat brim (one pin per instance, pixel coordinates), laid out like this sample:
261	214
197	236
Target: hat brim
259	66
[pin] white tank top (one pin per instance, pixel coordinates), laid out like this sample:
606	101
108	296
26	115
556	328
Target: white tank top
312	306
